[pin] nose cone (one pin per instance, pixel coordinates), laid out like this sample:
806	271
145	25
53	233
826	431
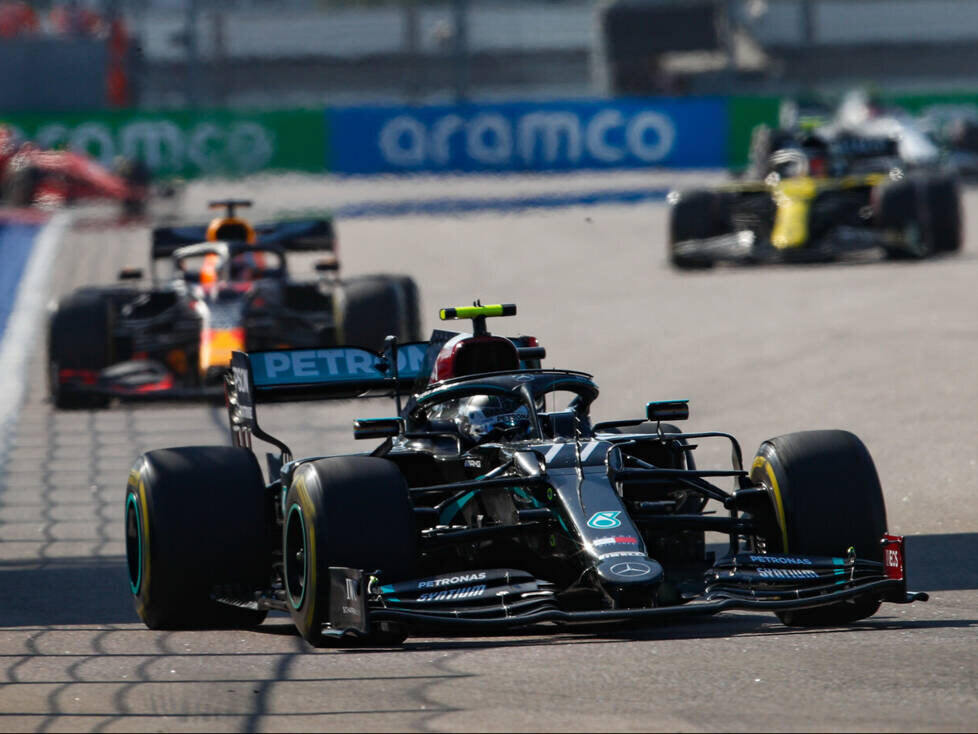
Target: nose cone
630	570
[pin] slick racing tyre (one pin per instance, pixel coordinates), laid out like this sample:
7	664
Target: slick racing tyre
693	216
672	455
925	210
198	527
80	339
19	187
410	308
942	200
669	456
138	178
348	511
826	499
376	306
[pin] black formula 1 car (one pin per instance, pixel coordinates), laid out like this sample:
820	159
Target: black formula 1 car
493	502
816	197
227	287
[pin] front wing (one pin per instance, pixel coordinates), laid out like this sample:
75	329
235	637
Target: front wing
498	599
136	380
744	247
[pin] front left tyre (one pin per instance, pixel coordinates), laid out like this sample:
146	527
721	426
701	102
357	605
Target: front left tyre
695	216
198	527
826	499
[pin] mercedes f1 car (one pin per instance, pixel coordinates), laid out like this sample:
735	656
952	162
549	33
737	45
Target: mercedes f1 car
492	502
811	196
227	287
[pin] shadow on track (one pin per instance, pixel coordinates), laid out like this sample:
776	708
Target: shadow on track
89	591
68	591
940	562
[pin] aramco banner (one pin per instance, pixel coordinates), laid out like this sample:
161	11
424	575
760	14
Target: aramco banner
528	136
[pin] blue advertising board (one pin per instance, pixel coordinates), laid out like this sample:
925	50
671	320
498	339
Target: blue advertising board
530	136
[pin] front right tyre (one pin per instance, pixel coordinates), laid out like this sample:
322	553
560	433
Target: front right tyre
198	526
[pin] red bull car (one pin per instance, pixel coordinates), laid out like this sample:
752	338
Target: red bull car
492	501
214	289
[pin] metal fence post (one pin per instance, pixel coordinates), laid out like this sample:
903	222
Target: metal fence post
460	10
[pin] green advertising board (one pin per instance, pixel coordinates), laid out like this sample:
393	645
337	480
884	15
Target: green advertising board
921	103
188	143
745	113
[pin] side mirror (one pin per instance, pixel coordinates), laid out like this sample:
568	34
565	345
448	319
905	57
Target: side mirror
131	274
667	410
377	427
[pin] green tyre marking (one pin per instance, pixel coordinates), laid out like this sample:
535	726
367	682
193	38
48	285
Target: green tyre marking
132	508
293	509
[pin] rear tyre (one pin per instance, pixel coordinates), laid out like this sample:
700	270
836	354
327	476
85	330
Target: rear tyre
198	524
348	511
138	177
410	308
670	456
376	306
826	498
696	215
80	337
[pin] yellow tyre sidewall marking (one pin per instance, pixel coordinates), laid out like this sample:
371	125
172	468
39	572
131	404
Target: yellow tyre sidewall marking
761	463
136	478
309	530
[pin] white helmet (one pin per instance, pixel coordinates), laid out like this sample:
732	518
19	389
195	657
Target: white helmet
486	417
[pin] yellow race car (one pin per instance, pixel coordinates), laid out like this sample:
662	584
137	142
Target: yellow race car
796	213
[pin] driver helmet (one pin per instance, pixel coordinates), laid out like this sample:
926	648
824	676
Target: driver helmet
486	417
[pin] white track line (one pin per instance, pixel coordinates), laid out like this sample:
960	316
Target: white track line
25	323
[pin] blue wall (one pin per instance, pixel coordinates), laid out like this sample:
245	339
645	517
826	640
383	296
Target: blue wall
16	242
527	136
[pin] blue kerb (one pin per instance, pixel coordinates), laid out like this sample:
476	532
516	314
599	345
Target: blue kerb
16	243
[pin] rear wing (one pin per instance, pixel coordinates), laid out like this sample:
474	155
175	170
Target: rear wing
302	235
338	373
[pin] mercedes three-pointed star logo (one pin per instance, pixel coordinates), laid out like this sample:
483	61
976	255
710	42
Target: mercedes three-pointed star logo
630	569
